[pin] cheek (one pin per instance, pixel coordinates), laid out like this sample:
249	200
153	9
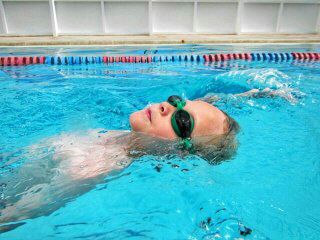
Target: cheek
201	129
160	127
163	130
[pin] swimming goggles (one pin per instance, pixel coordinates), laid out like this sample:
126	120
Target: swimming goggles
182	122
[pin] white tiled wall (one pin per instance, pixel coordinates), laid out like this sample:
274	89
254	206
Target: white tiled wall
259	17
299	18
79	17
216	17
27	17
126	17
172	17
103	17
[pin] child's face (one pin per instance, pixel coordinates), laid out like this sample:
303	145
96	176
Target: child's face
156	120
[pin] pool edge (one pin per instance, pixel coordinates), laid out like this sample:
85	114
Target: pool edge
157	39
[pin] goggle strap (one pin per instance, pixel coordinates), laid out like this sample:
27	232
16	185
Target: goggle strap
187	144
180	105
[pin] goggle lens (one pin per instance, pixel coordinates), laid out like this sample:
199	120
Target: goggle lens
181	121
175	100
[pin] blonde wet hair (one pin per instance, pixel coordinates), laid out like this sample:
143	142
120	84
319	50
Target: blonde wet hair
217	148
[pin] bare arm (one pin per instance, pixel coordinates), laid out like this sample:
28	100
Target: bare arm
285	93
209	98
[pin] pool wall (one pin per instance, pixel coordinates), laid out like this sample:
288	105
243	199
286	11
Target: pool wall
116	17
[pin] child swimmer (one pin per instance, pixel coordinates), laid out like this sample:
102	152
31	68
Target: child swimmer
79	162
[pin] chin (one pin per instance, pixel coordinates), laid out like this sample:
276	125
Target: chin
136	121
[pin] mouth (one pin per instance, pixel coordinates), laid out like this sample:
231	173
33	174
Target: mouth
148	113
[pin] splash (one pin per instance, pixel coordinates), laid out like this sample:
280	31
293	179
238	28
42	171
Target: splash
258	78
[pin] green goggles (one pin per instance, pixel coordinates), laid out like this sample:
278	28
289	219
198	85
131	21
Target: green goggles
182	122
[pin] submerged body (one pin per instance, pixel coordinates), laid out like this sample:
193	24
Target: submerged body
75	164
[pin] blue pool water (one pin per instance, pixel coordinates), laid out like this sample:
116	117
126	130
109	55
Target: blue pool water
271	186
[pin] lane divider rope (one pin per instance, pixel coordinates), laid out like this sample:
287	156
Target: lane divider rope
57	60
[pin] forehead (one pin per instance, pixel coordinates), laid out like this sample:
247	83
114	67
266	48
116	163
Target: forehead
207	118
196	107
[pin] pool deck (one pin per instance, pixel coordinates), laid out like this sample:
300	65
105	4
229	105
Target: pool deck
157	39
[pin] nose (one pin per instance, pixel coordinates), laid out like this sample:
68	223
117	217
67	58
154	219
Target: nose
165	108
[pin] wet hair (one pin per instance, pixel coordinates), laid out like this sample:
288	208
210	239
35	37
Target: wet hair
212	148
217	148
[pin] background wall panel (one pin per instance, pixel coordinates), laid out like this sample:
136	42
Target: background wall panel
172	17
28	18
260	17
216	17
299	18
2	30
107	17
79	17
127	17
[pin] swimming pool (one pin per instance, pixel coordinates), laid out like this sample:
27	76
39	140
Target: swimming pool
270	186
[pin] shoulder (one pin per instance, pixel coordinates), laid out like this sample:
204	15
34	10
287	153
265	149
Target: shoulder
82	139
